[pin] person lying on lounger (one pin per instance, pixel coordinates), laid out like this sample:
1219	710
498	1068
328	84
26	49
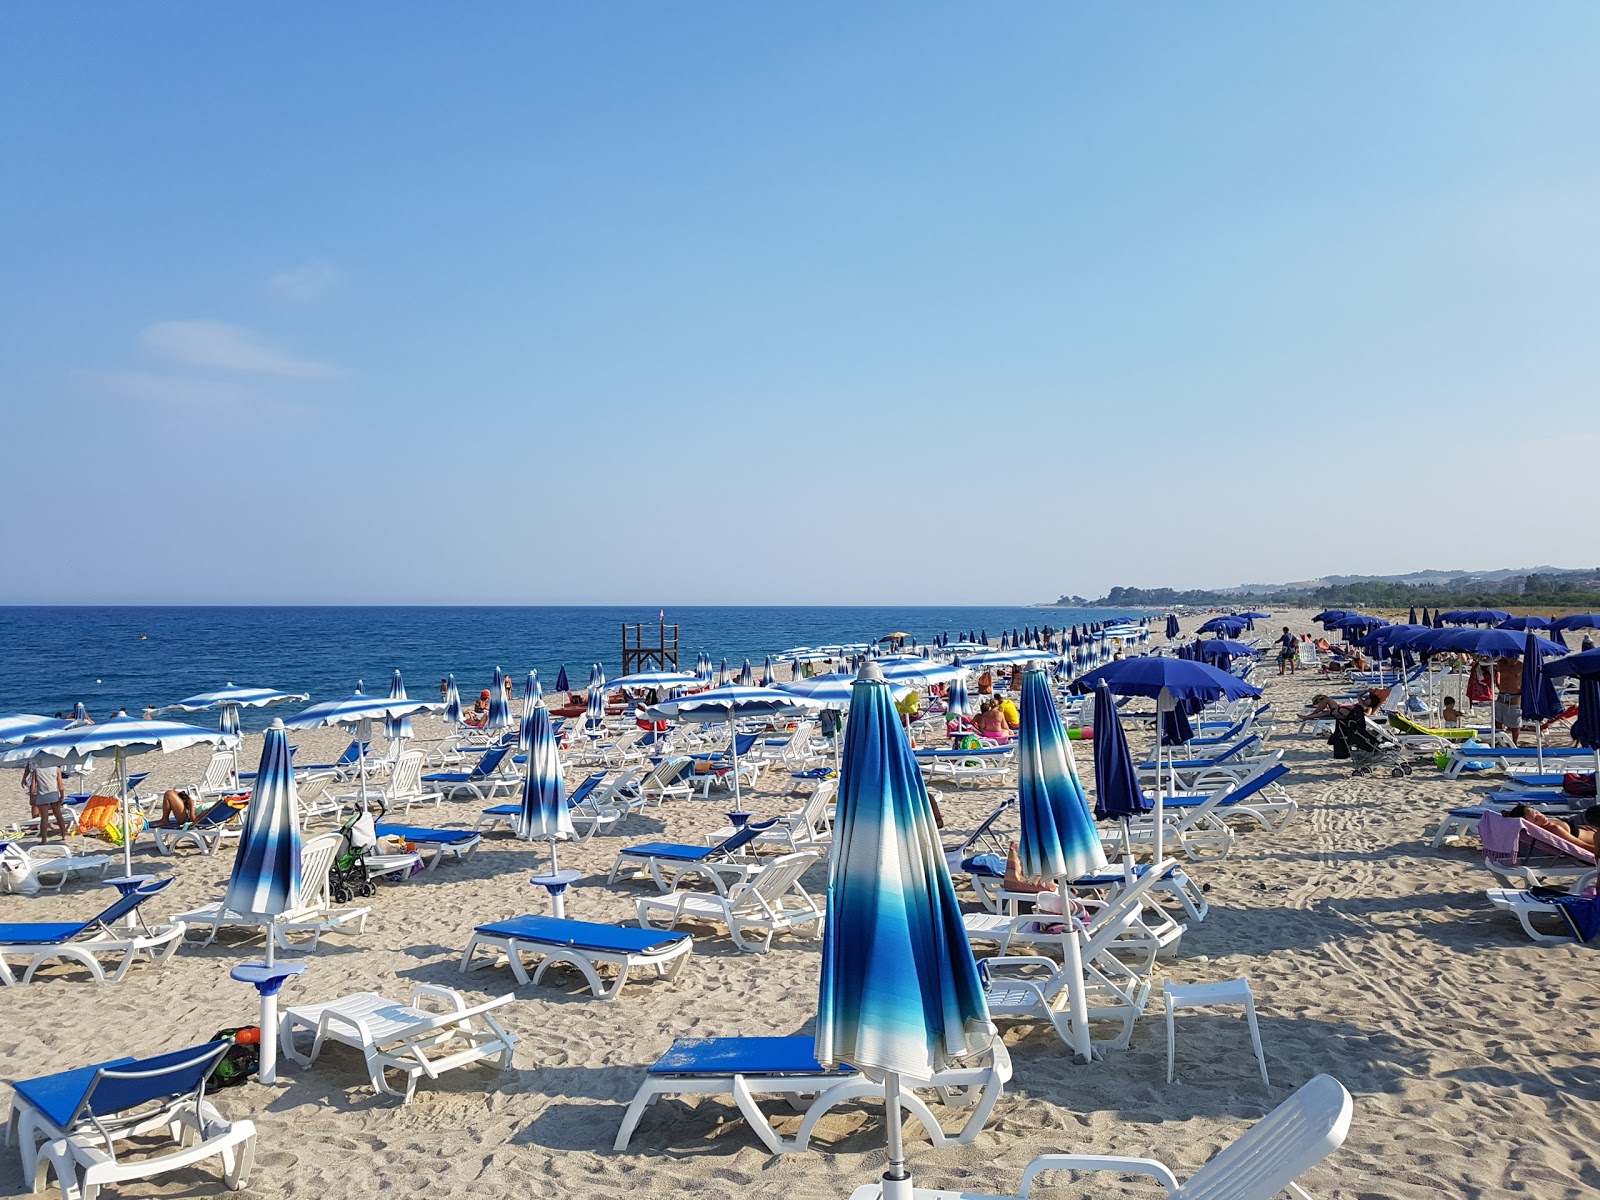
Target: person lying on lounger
177	809
1584	832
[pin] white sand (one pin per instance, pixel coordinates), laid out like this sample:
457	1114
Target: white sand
1468	1049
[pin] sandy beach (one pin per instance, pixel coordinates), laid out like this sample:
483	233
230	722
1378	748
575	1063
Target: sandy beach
1371	958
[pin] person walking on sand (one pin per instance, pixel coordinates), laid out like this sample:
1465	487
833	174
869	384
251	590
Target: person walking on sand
1508	697
1289	655
44	798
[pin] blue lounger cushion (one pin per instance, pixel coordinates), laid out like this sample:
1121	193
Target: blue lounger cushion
744	1056
40	933
581	935
986	750
673	850
60	1096
415	833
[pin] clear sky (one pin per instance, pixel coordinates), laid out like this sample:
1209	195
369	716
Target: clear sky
744	303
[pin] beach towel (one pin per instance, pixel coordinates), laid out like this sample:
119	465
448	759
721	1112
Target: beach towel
1582	914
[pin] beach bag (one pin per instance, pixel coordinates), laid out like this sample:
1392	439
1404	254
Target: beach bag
242	1058
16	876
1340	744
1574	784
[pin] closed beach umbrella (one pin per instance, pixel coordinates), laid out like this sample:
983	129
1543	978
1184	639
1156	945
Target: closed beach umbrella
122	735
1539	698
79	712
1585	667
1117	794
228	720
1412	619
900	992
1058	839
544	815
724	675
768	679
1172	626
531	697
398	727
265	882
959	705
561	680
452	701
597	676
499	717
594	712
747	677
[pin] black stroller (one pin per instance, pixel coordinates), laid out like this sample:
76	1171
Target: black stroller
1367	746
349	878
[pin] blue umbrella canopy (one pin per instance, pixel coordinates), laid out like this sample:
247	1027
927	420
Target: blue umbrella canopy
1473	616
532	697
499	716
834	690
562	685
265	881
1218	647
544	815
397	727
1117	793
1183	679
1058	838
1172	626
655	680
958	704
1522	623
1227	625
1577	621
1539	698
900	991
452	701
233	695
1501	643
17	727
1585	667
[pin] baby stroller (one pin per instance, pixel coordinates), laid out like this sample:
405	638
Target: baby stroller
349	878
1366	745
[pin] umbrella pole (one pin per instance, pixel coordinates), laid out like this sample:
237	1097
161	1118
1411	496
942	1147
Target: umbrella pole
1077	1002
897	1179
127	817
733	749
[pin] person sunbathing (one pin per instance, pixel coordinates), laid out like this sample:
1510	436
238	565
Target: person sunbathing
1583	833
991	722
177	809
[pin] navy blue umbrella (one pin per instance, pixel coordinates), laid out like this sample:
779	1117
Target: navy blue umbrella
1426	619
1539	699
561	680
1172	626
1182	679
1586	667
1521	623
1117	794
1412	619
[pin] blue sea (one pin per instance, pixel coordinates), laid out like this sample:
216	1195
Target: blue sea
110	658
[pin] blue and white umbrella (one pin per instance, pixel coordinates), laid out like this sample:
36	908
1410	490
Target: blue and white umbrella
233	695
958	705
729	703
359	711
768	679
597	676
544	815
900	992
594	713
658	681
499	715
452	701
265	882
18	727
228	720
79	712
1059	840
532	698
747	677
122	735
398	727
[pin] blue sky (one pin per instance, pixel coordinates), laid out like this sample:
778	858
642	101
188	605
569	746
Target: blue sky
800	304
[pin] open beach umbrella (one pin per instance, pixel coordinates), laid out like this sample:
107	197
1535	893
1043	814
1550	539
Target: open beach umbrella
544	815
18	727
1117	794
900	994
655	680
1231	626
265	881
1058	838
124	736
1577	621
1522	623
231	698
1539	698
834	691
398	727
359	711
1223	647
499	716
729	703
532	695
452	701
561	680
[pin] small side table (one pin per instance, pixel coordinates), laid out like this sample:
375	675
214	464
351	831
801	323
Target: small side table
557	883
268	979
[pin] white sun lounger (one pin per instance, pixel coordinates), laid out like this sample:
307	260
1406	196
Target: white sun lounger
743	1067
773	902
411	1039
84	942
316	914
583	945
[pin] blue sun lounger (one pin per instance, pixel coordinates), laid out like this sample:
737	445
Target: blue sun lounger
434	844
83	942
787	1066
506	814
708	862
583	945
70	1122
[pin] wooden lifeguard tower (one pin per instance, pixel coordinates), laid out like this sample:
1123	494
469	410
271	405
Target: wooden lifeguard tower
636	656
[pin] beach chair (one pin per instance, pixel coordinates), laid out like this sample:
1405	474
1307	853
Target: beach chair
745	1067
100	815
220	778
506	814
492	775
342	768
86	942
317	914
1525	905
1524	855
401	790
583	945
46	867
435	845
436	1031
773	902
1261	1163
667	780
1198	824
719	865
219	821
71	1123
962	767
1512	760
805	828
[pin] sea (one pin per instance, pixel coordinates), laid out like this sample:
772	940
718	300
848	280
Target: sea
133	657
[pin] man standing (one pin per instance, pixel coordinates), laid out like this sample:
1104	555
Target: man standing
1289	654
1508	697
